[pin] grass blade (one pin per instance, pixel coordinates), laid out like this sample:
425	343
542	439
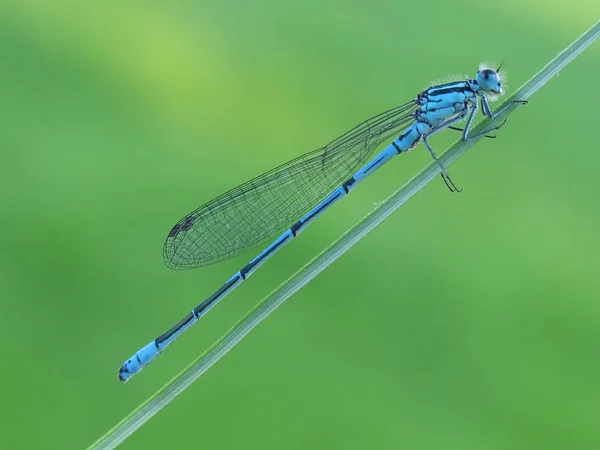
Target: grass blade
183	380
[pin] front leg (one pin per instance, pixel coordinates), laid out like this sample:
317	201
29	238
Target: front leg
484	132
486	110
465	135
485	106
462	129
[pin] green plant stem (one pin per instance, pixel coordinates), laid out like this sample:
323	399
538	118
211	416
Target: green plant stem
184	379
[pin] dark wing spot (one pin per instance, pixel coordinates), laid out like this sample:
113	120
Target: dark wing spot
187	224
175	231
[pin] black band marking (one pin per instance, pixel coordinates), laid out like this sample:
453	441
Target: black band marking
445	91
175	329
396	146
202	306
321	208
406	133
296	227
367	169
347	184
249	266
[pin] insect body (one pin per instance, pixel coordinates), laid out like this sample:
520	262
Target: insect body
289	197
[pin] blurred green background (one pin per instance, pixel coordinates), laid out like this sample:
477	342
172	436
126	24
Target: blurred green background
466	321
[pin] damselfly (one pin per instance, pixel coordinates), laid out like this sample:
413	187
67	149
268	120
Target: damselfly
294	194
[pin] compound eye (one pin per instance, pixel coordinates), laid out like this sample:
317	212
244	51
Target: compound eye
488	79
487	73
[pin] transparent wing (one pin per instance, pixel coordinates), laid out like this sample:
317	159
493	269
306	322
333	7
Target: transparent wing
273	201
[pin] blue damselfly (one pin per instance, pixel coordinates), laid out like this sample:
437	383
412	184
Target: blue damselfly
291	196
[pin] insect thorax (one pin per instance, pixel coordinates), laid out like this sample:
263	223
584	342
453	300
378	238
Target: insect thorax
441	102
